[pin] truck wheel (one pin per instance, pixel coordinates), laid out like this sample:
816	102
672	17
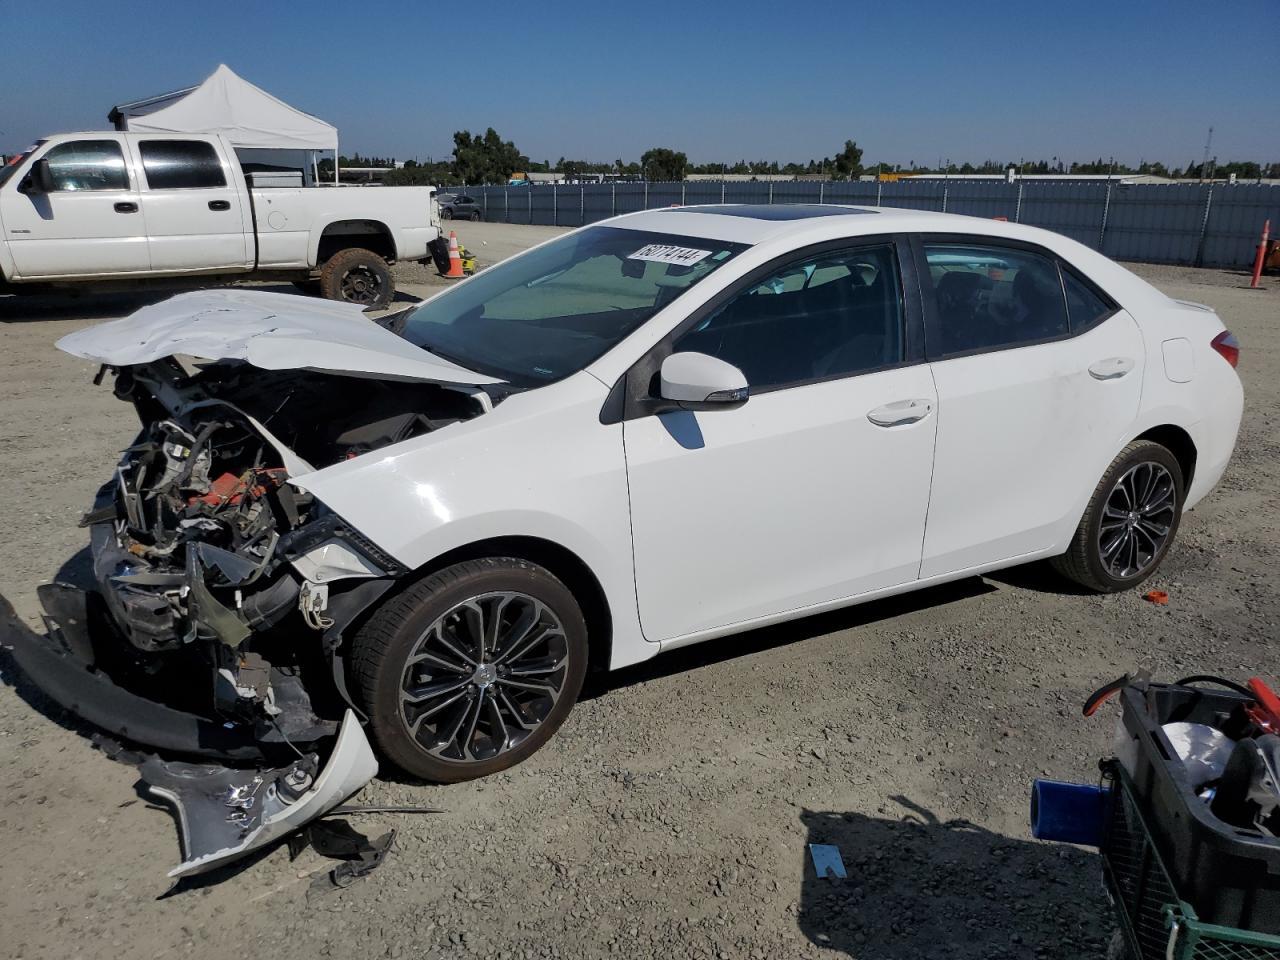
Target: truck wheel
358	276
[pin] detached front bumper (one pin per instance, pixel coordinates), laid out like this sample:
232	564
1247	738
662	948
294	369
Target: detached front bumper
223	812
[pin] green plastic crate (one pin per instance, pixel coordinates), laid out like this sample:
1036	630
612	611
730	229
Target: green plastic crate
1156	922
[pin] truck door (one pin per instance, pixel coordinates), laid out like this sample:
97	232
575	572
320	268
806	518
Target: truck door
195	212
89	224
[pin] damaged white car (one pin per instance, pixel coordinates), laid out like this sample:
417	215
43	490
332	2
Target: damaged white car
646	433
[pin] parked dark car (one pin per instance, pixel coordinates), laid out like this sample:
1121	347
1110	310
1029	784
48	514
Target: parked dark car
459	207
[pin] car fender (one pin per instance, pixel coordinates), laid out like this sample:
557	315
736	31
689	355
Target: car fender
540	465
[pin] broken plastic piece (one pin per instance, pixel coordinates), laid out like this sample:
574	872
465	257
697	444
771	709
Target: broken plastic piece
338	840
827	861
224	814
1159	597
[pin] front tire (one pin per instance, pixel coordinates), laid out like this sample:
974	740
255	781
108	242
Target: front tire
358	276
472	669
1130	523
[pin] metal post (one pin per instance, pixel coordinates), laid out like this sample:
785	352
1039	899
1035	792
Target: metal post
1204	227
582	205
722	189
944	199
613	200
879	189
646	194
486	204
771	193
555	207
1106	208
506	204
682	193
821	184
529	187
1017	210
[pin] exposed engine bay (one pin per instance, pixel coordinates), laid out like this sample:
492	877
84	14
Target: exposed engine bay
204	552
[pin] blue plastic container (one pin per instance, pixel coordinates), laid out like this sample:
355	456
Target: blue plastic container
1069	812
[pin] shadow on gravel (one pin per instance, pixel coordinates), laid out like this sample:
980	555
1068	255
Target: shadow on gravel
767	638
920	888
1039	577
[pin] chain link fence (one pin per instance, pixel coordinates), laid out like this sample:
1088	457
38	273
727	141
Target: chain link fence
1210	225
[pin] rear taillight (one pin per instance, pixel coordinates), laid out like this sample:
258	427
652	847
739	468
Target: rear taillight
1228	347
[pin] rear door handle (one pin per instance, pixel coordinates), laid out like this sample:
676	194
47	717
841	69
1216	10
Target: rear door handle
900	412
219	204
126	207
1112	368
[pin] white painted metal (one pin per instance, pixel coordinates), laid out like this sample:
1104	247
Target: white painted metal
802	499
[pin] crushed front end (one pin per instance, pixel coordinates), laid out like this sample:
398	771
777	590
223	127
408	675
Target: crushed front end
221	595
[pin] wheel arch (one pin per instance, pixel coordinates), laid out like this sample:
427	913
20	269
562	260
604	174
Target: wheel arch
560	562
372	235
1178	442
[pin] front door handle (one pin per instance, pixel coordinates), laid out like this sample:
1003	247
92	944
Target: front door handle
900	412
1112	368
126	207
219	204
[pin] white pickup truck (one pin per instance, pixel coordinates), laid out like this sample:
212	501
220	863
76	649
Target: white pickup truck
104	207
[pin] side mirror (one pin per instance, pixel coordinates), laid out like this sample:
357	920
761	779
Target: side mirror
696	381
39	179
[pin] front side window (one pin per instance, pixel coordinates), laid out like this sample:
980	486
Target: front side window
825	316
542	316
181	164
990	297
88	165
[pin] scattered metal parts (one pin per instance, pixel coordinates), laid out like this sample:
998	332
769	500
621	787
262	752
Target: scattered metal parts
338	840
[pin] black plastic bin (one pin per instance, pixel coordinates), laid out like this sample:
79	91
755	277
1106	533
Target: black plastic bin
1230	876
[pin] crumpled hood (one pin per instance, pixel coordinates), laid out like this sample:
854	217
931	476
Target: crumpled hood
274	331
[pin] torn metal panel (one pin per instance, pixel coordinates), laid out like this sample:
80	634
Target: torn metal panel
273	331
224	814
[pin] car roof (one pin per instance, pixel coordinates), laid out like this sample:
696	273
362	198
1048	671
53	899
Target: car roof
752	224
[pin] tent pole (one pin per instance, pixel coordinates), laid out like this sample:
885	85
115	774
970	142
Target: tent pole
335	164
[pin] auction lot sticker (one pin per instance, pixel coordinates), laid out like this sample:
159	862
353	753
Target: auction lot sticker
665	253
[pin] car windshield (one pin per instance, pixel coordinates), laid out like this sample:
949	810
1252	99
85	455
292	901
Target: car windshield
11	166
547	314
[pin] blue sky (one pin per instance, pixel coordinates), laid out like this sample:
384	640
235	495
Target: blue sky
916	80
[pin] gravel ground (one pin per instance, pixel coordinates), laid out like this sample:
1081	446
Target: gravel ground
669	817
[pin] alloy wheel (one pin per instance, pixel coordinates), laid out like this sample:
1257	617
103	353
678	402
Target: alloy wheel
1137	520
483	676
361	285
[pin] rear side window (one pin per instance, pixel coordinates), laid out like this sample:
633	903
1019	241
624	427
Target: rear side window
88	165
832	315
990	297
181	164
1085	306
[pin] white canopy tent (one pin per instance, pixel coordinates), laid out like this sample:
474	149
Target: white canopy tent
248	116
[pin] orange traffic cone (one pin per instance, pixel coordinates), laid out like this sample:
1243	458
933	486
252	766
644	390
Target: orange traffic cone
455	258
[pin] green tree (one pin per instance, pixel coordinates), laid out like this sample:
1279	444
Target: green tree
849	162
661	163
485	159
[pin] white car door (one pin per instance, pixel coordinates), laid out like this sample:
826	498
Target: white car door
813	491
89	224
195	219
1032	404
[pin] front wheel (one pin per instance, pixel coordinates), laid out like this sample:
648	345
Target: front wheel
1130	522
358	276
472	669
475	216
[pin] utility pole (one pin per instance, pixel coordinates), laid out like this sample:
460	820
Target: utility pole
1204	161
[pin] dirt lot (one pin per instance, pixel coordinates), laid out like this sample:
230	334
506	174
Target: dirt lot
670	816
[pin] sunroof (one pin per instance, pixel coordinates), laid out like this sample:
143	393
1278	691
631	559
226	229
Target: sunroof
780	211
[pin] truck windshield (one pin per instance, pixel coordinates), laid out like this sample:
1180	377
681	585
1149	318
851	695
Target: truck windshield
13	163
547	314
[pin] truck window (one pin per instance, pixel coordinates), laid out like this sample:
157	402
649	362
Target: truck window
88	165
181	164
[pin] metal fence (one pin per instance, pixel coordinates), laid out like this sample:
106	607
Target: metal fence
1212	225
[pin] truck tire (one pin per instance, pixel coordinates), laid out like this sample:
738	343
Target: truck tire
358	276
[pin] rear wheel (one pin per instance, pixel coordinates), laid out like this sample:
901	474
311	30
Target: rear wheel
1130	522
358	276
475	216
446	214
472	669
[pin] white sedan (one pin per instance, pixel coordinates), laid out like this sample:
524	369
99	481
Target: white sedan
664	428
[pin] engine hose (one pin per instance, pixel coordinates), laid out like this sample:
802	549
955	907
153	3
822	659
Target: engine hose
269	606
196	446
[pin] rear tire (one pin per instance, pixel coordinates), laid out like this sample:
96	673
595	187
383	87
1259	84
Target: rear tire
472	669
1130	522
358	276
475	216
446	214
